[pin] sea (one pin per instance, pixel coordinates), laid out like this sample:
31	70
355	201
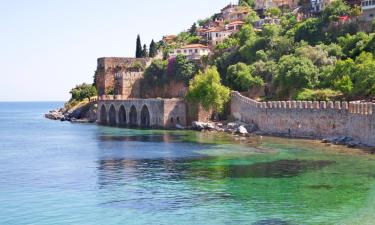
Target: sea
58	173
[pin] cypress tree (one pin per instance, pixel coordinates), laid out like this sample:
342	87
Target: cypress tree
152	50
138	51
144	51
193	29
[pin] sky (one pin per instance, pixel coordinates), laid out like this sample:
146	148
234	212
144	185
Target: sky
47	47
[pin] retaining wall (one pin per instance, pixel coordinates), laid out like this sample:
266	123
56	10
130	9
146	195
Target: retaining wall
308	119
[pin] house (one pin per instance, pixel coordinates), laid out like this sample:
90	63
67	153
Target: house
261	5
234	26
368	10
169	38
268	20
234	12
192	51
318	6
217	35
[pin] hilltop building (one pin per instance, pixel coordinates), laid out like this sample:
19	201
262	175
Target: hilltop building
192	52
232	12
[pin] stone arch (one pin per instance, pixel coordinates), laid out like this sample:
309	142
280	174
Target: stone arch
122	116
133	116
112	115
103	115
145	117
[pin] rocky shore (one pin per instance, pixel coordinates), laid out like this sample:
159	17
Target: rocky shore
86	113
83	113
247	130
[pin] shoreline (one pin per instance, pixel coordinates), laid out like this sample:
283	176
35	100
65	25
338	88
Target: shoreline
236	128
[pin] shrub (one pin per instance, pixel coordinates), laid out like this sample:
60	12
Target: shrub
317	95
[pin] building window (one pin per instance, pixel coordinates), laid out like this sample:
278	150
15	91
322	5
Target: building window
196	50
190	51
185	51
172	121
178	51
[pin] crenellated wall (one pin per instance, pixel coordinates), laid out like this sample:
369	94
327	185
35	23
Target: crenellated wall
308	119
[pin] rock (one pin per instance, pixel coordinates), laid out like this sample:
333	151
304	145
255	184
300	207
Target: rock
197	126
251	128
209	126
241	130
55	115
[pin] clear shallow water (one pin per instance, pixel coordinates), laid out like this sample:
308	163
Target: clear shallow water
63	173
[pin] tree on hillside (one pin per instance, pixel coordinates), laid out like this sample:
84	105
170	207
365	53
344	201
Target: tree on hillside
355	78
295	73
273	12
337	8
183	69
138	51
144	51
153	50
249	3
82	91
156	73
193	29
239	77
206	89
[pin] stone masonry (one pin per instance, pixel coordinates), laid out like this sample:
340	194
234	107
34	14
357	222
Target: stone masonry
308	119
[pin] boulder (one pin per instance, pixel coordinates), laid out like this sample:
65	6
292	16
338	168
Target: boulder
241	130
197	126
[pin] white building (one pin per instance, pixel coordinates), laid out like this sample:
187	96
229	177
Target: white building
368	10
217	35
234	26
192	52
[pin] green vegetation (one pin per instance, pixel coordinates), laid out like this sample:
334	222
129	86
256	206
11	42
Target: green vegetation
80	93
138	51
240	77
316	59
207	90
182	69
153	49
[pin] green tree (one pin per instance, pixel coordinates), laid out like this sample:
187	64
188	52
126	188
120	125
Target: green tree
183	69
82	91
206	89
193	29
156	73
309	30
295	73
138	51
248	3
144	51
273	12
153	50
333	11
252	17
240	77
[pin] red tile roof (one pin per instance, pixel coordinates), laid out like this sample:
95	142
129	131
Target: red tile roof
238	22
194	46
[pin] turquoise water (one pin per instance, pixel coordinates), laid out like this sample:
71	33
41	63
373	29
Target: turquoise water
63	173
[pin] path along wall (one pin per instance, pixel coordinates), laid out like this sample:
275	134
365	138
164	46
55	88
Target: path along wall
308	119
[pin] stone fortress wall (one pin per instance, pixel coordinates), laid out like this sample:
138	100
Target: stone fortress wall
108	67
125	106
115	111
308	119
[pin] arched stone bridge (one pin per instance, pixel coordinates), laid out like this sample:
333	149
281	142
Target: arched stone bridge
141	112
